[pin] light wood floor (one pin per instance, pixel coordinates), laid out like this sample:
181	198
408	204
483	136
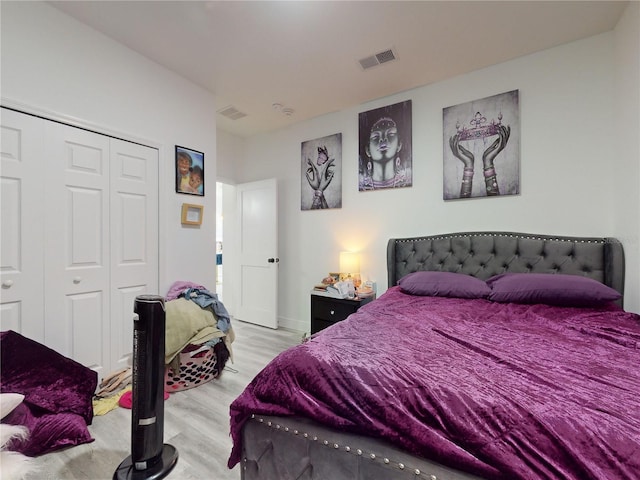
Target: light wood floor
196	420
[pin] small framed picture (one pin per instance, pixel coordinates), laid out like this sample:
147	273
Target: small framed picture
191	214
189	171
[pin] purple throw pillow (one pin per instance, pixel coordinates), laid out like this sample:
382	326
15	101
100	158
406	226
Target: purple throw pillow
47	379
551	289
47	431
444	284
58	392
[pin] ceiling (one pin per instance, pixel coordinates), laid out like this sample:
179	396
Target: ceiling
305	55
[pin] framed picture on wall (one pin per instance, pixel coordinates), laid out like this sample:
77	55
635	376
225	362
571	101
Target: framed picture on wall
385	157
481	147
321	168
189	171
191	214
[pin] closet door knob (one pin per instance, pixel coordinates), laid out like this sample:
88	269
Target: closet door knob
7	283
77	280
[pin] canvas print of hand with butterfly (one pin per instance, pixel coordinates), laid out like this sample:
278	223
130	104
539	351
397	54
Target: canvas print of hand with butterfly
321	168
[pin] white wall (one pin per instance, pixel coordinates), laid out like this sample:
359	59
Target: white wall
54	65
230	149
580	165
627	147
570	171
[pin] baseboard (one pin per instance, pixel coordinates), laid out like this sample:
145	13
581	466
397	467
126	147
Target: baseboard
294	325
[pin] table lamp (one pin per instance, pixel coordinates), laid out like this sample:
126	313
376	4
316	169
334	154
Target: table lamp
350	267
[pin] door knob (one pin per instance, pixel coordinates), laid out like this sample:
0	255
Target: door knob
77	279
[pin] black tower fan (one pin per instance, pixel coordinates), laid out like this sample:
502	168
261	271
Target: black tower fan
149	459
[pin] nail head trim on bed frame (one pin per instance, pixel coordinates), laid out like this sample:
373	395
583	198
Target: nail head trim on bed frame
525	236
347	448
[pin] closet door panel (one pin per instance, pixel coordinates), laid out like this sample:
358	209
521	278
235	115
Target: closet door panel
77	244
82	340
21	225
134	238
122	326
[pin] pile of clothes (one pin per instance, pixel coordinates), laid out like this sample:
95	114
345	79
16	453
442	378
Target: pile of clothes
198	336
111	391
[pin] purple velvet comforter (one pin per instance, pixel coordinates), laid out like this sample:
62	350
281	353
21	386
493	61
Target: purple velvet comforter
504	391
57	395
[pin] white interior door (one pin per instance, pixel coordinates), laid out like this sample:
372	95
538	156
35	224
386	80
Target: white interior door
77	244
257	299
134	239
21	226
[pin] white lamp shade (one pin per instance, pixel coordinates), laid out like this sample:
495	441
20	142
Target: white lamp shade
349	263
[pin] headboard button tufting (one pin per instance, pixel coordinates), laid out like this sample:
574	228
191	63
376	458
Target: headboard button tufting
502	252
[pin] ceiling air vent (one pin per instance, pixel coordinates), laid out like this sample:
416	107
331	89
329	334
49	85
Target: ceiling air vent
377	59
231	112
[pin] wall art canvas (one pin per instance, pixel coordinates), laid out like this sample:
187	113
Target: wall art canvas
189	171
321	180
385	156
482	147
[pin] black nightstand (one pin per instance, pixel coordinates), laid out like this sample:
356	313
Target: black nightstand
325	311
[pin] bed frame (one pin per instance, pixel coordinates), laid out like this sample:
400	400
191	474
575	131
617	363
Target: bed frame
484	254
278	448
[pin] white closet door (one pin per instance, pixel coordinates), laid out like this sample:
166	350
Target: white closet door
134	239
21	225
77	241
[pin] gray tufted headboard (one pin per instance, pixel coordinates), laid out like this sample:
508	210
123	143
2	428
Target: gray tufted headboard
484	254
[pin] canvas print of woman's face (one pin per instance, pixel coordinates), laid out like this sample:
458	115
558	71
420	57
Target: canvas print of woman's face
385	148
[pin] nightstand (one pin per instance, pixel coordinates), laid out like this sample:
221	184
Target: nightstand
325	311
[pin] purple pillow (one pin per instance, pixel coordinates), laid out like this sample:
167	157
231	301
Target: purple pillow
47	379
47	431
444	284
551	289
58	392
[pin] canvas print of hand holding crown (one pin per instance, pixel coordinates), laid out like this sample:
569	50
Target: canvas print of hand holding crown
482	147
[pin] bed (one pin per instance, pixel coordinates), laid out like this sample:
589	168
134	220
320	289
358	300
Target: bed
492	355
